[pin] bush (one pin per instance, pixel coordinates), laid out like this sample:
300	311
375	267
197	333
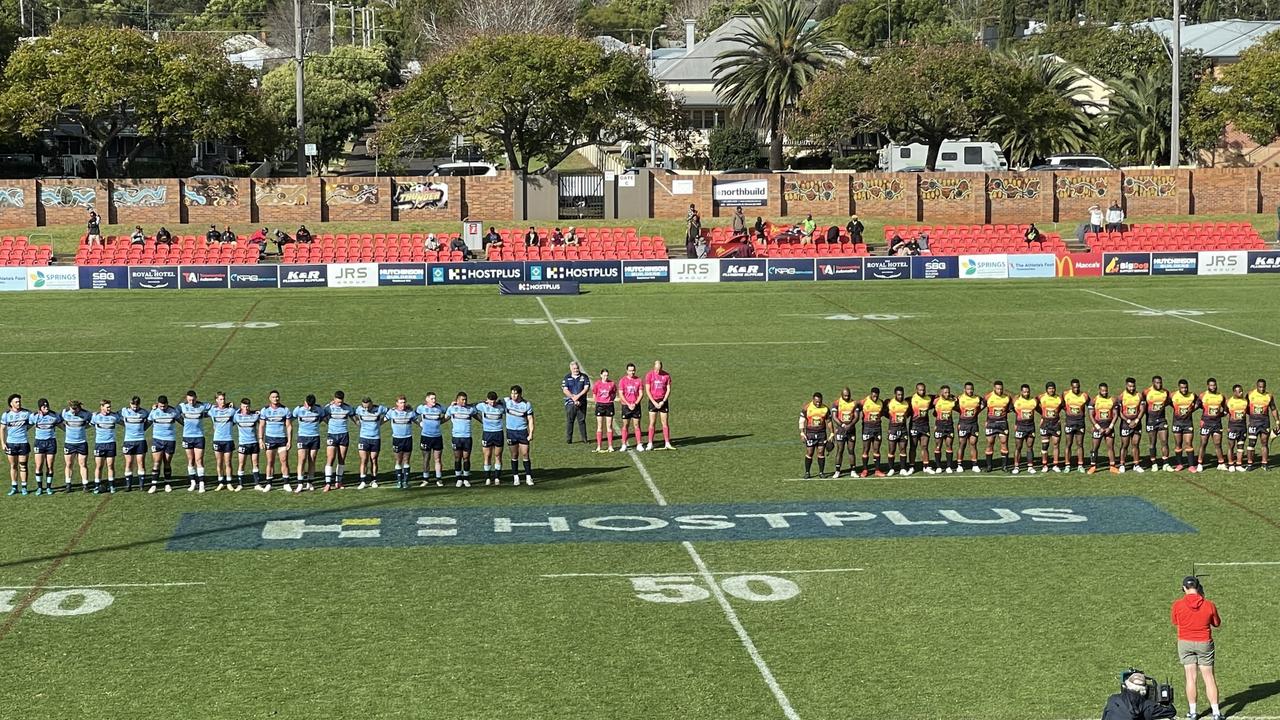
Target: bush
733	147
856	161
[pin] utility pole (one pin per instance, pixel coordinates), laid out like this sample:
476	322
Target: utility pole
1175	112
331	26
353	23
373	26
297	59
22	17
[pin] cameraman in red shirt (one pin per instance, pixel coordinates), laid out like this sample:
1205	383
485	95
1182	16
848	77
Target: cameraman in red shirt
1195	617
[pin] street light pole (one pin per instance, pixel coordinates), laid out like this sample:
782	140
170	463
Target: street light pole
653	143
297	60
1175	111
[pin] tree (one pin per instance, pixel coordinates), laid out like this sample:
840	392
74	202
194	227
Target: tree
779	55
833	108
1045	117
228	15
1136	124
340	96
486	18
531	98
865	24
108	82
615	16
731	146
1248	93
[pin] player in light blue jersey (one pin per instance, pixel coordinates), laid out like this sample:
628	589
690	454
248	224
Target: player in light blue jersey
222	415
164	419
401	418
75	444
337	415
193	414
136	423
431	415
460	415
16	441
309	416
370	417
491	413
248	441
519	433
104	422
277	436
46	422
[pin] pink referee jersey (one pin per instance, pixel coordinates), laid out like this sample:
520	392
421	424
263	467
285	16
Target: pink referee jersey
631	389
658	383
605	391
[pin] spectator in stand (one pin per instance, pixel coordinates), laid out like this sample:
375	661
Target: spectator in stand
896	244
259	238
490	237
431	244
833	234
689	216
93	230
229	236
1033	235
163	236
693	233
494	246
854	229
1095	219
303	235
1195	617
739	222
572	237
531	238
557	237
759	230
281	239
1115	218
914	245
213	236
459	245
807	229
137	237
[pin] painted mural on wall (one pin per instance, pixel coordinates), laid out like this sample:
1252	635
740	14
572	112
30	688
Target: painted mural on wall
211	191
1081	186
810	190
272	193
945	188
1015	188
421	196
877	189
1150	186
68	196
139	196
12	197
352	194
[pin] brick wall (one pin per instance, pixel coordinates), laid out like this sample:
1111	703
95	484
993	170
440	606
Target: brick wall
286	201
1269	189
888	195
1017	198
67	202
665	204
817	194
1077	192
1156	192
149	203
488	198
1226	190
356	198
218	201
19	202
771	208
430	198
952	197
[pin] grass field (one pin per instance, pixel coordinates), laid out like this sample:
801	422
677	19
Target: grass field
1026	621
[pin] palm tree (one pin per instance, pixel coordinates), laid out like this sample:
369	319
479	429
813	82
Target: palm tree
1136	125
780	54
1049	118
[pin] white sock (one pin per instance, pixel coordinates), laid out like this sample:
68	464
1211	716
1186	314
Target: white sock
1214	707
341	469
328	474
1191	709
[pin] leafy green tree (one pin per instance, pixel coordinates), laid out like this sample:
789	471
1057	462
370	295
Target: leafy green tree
615	16
531	98
834	108
731	146
1248	93
777	57
1135	128
864	24
228	15
1045	118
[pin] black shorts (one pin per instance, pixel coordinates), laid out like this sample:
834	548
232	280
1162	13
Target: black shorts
1180	428
943	430
428	443
997	427
163	446
1022	431
462	444
1256	429
604	409
632	413
275	443
193	443
107	450
815	439
897	433
842	436
870	433
1104	433
1050	429
521	437
1073	428
1127	431
341	440
46	447
967	429
490	439
919	430
223	446
369	445
1236	432
1213	428
249	449
1157	424
308	442
665	407
401	445
75	448
17	449
135	447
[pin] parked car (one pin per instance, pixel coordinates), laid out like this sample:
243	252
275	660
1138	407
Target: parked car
1077	162
465	169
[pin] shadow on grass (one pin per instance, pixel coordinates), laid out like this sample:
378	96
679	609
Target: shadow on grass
705	439
553	477
1235	704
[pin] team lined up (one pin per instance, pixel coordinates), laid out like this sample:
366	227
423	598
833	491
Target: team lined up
1251	420
271	430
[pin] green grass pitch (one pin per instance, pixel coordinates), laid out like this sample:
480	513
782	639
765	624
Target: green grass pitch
992	626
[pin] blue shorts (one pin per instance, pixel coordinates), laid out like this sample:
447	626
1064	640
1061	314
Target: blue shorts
463	444
274	443
162	446
369	444
249	449
75	448
223	446
309	442
517	437
491	439
193	443
107	450
402	445
429	443
342	440
17	449
47	447
135	447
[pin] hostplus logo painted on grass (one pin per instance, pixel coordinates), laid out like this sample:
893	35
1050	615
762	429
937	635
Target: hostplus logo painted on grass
832	520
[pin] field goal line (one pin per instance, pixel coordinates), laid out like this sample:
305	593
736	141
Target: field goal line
102	585
1242	563
1183	317
779	695
685	574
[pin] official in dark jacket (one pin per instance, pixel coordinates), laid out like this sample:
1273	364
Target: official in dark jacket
1134	701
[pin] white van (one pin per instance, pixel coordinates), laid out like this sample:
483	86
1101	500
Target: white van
465	169
953	156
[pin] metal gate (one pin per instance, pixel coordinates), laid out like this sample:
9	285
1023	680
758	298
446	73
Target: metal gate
582	197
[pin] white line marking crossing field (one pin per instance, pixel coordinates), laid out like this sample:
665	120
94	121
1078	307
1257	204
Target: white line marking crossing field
423	347
68	352
748	342
102	585
1188	319
747	643
680	574
1253	563
1089	337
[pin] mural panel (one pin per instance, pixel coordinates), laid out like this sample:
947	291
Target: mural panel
1153	186
421	196
945	188
353	194
1017	188
273	193
1081	186
878	189
12	197
139	196
811	190
211	191
68	196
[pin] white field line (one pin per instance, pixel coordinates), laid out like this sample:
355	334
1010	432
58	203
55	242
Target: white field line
423	347
1238	564
747	342
68	352
1088	337
747	643
103	585
1188	319
729	573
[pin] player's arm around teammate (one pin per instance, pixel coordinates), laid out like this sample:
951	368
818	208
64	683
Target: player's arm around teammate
370	418
46	422
75	443
193	414
14	440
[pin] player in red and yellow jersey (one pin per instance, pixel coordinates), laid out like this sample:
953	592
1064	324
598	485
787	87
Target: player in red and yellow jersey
815	423
1075	411
921	404
871	415
1237	428
997	404
898	410
1049	405
1213	407
1102	410
846	417
944	407
1184	404
970	406
1024	429
1262	411
1156	397
1132	407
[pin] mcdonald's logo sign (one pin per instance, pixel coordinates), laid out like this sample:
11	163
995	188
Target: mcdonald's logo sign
1079	265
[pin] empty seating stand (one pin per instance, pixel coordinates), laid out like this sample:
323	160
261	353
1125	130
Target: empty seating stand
185	250
976	239
596	244
1178	236
17	251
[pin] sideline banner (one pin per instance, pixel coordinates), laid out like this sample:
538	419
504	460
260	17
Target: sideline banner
482	273
935	267
1079	264
840	268
104	277
544	287
1126	263
583	271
